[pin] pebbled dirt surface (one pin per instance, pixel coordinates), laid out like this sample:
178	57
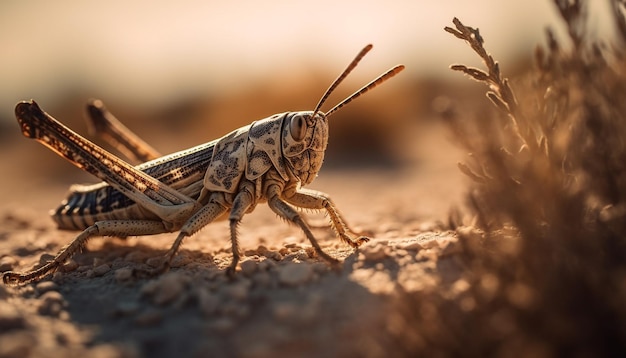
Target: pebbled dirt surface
283	302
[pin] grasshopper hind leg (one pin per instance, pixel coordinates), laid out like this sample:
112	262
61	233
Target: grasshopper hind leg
105	125
118	228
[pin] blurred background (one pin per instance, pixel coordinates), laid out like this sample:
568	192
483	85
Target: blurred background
186	72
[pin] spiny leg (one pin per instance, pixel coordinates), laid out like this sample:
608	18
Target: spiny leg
203	217
284	210
242	202
312	199
120	228
104	124
167	203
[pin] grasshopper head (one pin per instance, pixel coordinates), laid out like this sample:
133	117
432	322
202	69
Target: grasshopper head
305	134
304	140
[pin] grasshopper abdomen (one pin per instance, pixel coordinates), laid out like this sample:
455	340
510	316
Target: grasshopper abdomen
85	205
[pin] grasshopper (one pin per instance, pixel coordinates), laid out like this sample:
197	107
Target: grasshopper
269	160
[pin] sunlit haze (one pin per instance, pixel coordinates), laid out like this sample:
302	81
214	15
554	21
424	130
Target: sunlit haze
154	51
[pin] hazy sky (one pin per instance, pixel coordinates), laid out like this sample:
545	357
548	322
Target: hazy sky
152	50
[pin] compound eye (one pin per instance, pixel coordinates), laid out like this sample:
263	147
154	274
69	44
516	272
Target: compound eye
297	128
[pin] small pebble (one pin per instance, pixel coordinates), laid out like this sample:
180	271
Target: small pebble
51	304
45	258
411	246
70	266
135	256
310	251
239	290
266	265
250	253
57	277
321	267
123	274
274	255
7	263
155	261
450	247
180	260
429	244
101	269
400	252
374	253
45	286
426	255
98	261
150	288
249	267
17	344
10	318
295	274
170	286
297	256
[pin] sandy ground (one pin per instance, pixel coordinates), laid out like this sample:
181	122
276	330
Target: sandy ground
284	302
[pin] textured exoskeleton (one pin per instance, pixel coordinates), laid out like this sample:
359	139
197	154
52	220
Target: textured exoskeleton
267	161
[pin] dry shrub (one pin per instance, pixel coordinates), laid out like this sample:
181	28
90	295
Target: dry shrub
545	264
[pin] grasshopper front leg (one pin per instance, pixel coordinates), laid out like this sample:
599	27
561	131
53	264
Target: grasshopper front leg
215	208
203	217
283	209
313	199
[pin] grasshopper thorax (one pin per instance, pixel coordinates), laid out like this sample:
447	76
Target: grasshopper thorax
292	141
304	138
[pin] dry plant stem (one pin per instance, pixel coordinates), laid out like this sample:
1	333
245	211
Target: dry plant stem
574	14
501	94
553	219
618	7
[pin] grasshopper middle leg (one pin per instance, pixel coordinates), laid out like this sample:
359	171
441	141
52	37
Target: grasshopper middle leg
203	217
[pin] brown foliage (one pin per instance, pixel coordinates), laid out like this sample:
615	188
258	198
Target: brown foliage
545	260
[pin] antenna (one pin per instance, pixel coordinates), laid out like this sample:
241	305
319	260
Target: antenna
380	79
341	77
